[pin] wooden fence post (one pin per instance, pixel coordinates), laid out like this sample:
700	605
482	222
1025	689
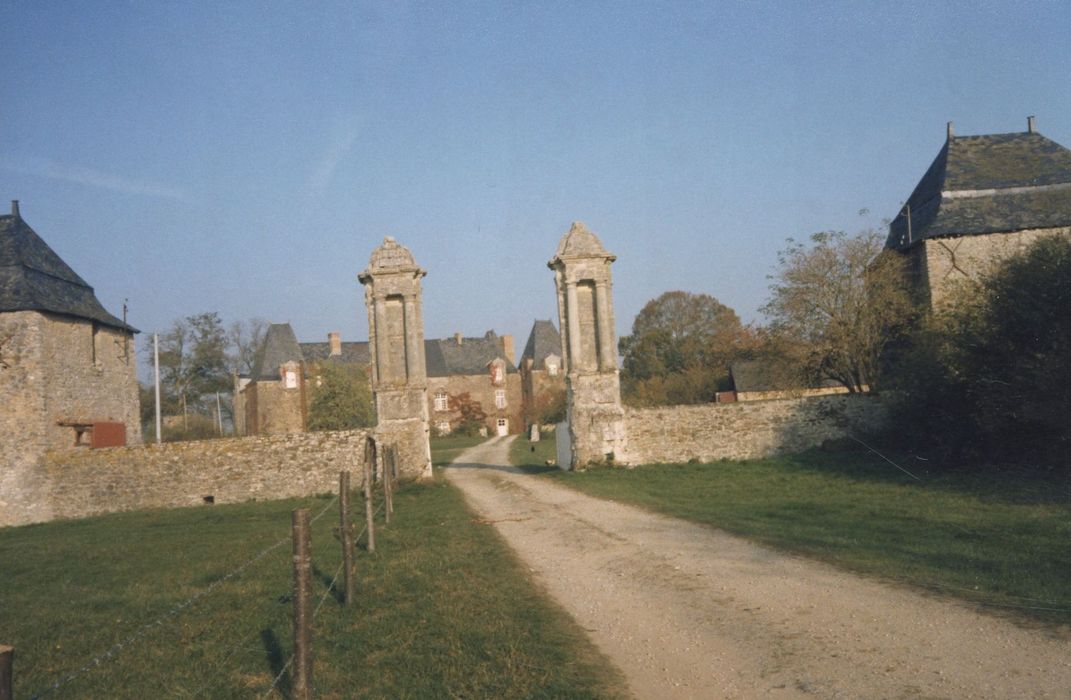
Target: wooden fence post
368	509
7	678
388	487
301	678
346	532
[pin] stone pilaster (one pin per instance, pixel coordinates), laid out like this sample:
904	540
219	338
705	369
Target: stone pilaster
585	313
396	338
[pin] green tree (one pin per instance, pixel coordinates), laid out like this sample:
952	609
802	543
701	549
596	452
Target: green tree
343	399
680	349
193	364
839	304
986	379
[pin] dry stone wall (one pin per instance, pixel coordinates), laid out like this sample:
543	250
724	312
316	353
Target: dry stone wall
87	482
748	430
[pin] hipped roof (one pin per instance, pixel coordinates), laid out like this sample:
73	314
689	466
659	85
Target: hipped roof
34	278
988	184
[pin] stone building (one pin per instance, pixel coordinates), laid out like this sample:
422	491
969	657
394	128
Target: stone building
275	398
756	380
983	199
582	278
67	368
542	377
481	368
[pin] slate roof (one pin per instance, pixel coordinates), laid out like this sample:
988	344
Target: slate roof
353	352
446	357
765	376
988	184
34	278
280	346
544	340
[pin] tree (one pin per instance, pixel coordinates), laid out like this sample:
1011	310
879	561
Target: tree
342	401
471	416
839	304
680	349
548	406
246	339
193	363
987	378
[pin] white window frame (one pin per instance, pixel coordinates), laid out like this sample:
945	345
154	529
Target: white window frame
442	401
290	377
443	427
500	398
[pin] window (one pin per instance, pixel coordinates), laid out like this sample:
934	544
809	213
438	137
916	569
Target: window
443	426
291	379
442	402
500	398
496	373
552	369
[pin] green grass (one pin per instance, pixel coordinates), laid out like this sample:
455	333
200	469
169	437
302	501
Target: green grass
443	608
445	449
532	457
996	539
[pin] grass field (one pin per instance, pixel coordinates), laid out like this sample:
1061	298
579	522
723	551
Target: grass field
996	539
443	608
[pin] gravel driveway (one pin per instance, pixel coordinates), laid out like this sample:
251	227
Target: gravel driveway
687	611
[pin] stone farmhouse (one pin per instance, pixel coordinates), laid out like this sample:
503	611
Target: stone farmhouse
67	367
542	376
275	399
982	199
483	369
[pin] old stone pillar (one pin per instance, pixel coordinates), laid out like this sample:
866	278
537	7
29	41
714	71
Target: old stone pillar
585	313
396	338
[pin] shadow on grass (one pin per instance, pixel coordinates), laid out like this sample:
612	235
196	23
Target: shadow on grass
336	590
1013	485
276	661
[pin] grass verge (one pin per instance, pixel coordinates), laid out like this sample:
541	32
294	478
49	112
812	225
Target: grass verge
994	539
443	609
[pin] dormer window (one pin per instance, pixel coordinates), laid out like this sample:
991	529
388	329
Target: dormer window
552	369
290	377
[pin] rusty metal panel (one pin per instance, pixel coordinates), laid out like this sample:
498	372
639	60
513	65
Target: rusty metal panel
108	434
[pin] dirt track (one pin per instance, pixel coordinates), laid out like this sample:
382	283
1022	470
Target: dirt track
686	611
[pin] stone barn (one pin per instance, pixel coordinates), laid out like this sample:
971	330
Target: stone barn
67	368
983	199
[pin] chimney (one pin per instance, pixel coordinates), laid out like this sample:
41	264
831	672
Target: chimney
334	341
457	338
15	206
951	130
1031	126
507	348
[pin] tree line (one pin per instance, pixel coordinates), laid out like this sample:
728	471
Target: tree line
980	380
199	358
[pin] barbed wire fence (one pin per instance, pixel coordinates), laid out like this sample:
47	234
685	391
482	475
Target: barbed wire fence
265	606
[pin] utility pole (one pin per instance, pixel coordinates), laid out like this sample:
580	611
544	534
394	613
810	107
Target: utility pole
156	363
219	414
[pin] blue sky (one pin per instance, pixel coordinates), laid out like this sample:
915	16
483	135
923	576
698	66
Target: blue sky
245	158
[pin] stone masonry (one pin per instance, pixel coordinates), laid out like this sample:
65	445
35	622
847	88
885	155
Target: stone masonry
56	371
392	294
79	483
597	430
751	430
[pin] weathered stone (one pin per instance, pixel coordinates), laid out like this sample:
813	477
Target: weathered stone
396	340
586	316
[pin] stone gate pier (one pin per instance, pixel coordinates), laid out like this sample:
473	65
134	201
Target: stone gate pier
594	413
392	294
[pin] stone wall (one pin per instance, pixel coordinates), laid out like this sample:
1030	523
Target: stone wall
942	263
56	369
273	409
78	483
746	430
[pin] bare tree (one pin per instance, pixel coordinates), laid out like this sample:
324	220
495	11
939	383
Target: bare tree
246	339
839	303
